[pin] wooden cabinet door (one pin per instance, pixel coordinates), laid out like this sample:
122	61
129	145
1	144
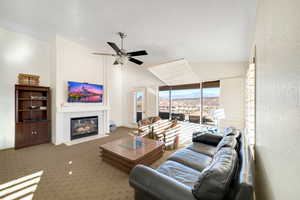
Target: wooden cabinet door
28	134
23	135
41	132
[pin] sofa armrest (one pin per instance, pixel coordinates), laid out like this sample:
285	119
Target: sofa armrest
158	185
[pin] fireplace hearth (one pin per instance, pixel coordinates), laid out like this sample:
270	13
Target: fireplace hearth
83	127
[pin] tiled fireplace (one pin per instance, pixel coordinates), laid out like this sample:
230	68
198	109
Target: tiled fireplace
83	127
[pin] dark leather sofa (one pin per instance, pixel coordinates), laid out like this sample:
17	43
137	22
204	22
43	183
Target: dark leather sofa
217	168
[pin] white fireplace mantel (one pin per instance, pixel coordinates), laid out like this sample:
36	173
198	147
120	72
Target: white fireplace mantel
66	108
64	129
66	111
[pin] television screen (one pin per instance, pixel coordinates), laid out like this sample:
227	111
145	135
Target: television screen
84	92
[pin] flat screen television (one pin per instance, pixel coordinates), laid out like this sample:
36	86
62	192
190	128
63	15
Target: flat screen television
84	92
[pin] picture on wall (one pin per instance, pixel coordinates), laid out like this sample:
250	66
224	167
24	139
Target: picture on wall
85	92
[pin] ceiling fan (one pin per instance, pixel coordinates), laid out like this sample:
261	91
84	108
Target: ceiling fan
121	55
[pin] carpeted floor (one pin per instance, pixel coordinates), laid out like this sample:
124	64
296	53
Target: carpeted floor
68	172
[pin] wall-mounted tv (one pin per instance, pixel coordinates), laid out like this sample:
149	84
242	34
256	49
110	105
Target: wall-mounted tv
85	92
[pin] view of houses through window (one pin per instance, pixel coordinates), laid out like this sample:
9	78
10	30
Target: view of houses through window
195	103
164	104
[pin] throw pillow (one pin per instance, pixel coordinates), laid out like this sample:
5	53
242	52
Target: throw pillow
144	122
207	138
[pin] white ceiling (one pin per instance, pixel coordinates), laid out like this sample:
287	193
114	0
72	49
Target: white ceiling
198	30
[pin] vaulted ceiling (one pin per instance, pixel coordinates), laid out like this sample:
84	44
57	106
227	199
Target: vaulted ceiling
198	30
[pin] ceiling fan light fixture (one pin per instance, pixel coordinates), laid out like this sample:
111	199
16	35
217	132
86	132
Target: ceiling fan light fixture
122	60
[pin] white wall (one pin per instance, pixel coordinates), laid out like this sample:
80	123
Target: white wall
75	63
207	71
137	77
278	100
232	100
115	80
19	53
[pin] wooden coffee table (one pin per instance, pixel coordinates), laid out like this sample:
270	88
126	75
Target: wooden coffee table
126	153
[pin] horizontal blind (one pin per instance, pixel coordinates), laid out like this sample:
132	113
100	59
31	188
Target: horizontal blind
180	87
209	84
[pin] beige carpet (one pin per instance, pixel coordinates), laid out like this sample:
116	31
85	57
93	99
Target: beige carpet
68	172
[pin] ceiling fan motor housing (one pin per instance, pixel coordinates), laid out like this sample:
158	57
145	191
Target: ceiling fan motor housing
122	57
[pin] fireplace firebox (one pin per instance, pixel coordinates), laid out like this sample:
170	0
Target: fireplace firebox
83	127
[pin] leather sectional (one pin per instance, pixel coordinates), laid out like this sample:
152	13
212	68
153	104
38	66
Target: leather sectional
213	167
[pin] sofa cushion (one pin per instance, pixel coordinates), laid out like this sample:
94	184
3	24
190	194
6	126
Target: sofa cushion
227	141
191	159
179	172
207	138
203	148
214	181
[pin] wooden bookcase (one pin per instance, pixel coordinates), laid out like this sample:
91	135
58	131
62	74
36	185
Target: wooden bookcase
33	115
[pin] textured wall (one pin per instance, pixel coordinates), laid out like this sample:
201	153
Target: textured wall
278	100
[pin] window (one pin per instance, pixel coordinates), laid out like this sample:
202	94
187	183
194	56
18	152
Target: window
186	104
210	103
164	104
190	102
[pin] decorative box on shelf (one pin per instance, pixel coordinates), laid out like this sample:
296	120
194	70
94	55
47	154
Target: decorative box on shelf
28	79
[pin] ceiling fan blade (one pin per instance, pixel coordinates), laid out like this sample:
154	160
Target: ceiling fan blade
115	47
136	61
138	53
104	54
